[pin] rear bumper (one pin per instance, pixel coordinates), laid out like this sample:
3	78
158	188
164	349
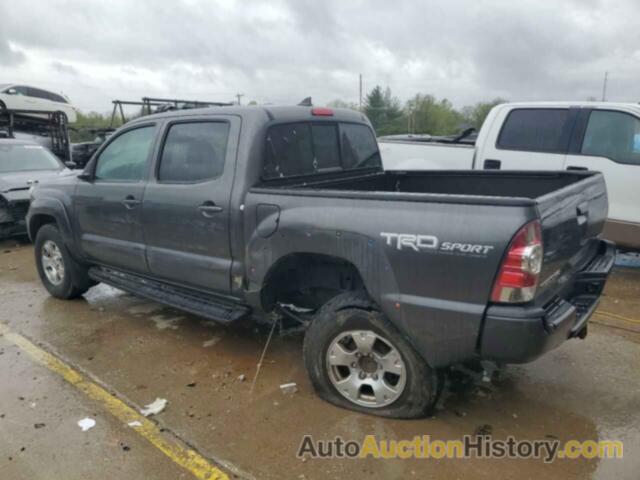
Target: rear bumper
516	334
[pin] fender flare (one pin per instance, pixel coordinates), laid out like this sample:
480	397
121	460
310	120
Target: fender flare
54	208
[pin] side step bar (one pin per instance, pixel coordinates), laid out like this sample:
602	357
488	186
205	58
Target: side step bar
184	299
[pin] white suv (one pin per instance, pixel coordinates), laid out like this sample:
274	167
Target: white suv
21	97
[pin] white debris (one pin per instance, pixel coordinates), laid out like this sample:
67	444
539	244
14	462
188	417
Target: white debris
135	423
154	407
145	308
211	342
289	388
163	322
86	423
295	308
242	377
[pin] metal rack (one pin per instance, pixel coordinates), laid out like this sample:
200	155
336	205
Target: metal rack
151	105
39	122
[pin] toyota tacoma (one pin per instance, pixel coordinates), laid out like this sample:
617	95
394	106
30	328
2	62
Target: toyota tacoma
236	212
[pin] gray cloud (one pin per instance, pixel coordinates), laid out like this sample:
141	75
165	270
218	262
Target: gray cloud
10	56
282	50
64	68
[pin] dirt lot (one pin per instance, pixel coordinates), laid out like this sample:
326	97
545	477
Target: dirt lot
137	351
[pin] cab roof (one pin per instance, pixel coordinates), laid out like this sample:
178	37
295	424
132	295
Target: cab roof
266	113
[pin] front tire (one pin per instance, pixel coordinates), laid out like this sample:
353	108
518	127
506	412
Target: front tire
60	274
356	359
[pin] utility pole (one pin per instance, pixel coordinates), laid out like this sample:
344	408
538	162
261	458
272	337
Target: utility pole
360	96
239	96
604	87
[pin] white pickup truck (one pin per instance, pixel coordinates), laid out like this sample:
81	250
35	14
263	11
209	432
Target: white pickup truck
596	136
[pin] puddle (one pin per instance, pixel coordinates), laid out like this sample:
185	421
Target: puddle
628	260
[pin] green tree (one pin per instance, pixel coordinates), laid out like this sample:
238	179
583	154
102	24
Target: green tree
80	131
475	115
338	103
384	111
430	115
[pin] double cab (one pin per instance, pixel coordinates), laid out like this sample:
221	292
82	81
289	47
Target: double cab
241	212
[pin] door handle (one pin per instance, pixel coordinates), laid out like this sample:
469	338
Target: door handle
130	202
208	208
490	164
572	167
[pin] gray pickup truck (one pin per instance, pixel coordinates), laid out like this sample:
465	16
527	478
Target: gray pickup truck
237	212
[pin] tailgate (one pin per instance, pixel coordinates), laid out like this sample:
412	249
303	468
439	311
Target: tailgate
572	219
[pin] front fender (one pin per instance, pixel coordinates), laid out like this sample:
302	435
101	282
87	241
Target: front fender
54	208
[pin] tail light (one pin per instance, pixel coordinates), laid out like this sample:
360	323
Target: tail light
518	278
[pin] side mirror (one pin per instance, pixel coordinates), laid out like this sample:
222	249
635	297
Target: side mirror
85	177
12	91
70	164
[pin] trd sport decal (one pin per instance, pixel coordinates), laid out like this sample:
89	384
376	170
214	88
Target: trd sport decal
420	243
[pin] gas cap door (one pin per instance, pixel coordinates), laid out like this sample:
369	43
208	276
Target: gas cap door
267	219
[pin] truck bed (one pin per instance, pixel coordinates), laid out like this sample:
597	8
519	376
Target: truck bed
571	206
486	186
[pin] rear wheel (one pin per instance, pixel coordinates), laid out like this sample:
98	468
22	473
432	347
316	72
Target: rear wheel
60	274
356	359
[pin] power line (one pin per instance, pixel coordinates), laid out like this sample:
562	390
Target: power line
360	96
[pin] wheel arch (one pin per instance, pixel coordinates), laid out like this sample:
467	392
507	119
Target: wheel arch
43	211
309	279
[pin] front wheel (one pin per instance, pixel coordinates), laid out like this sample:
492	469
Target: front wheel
356	359
60	274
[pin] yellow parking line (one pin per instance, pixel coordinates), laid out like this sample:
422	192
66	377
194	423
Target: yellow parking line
185	457
615	315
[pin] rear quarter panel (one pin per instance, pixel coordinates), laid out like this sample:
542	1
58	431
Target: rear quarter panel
436	298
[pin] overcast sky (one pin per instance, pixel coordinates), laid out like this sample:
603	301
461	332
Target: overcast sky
279	51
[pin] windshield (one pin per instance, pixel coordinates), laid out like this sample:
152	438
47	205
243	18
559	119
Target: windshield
26	158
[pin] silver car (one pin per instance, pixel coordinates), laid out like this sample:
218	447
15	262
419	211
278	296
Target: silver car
23	163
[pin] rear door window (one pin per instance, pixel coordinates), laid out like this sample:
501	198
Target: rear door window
535	130
193	152
614	135
37	93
